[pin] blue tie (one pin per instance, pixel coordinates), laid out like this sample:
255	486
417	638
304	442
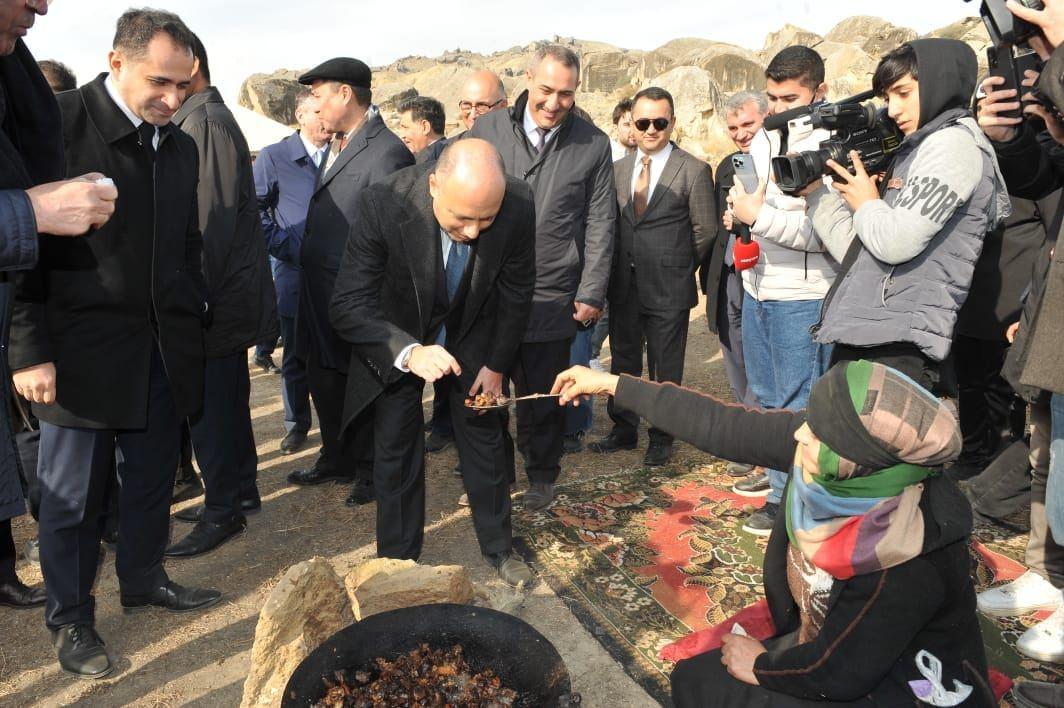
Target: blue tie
457	258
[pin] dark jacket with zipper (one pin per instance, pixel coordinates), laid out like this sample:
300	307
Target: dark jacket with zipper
711	276
372	153
575	212
875	623
1033	171
235	265
96	306
31	153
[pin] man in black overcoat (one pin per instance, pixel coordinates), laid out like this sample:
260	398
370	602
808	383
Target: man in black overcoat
107	336
363	152
435	285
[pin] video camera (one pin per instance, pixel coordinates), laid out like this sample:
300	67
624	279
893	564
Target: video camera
854	125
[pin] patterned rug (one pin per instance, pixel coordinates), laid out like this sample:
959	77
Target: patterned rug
645	557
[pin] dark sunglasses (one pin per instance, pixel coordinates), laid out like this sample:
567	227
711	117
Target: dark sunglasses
659	124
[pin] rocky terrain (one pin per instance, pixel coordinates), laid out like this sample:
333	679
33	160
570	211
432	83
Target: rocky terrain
700	73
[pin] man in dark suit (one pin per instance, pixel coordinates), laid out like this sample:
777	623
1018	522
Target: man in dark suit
436	285
667	222
422	122
285	175
363	152
240	289
107	338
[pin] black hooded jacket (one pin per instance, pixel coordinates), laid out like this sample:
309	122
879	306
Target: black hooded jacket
876	623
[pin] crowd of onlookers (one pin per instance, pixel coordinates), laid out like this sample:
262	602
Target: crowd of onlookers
145	250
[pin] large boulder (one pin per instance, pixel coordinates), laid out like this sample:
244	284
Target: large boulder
848	69
732	69
384	584
605	72
306	607
872	34
273	95
971	31
788	36
697	101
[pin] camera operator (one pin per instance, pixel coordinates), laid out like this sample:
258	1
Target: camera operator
1033	167
785	289
908	241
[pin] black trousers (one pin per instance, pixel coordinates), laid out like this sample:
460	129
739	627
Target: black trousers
441	410
664	332
73	470
541	422
223	439
399	468
703	682
352	452
992	416
294	391
7	553
903	356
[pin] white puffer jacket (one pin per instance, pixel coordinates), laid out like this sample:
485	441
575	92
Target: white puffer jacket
794	263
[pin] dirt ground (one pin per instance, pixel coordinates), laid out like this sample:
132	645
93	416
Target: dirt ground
165	659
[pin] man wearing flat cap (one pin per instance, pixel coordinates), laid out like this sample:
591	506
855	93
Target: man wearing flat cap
364	151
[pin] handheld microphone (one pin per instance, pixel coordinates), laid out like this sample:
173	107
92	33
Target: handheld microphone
745	252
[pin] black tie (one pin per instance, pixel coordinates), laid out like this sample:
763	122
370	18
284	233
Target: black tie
147	138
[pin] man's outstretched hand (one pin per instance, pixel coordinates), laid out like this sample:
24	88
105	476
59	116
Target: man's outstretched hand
432	363
582	381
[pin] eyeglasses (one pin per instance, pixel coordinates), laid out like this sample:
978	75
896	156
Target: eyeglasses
481	108
660	124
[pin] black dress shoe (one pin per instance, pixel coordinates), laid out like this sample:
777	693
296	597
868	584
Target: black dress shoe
305	478
205	536
194	514
658	454
294	441
612	443
15	593
173	597
361	493
265	363
80	651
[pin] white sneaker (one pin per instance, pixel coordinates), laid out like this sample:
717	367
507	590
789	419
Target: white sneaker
1045	640
1028	593
596	365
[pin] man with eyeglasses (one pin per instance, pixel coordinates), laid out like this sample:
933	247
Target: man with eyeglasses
483	93
667	221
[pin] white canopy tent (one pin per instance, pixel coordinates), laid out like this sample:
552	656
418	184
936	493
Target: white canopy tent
258	130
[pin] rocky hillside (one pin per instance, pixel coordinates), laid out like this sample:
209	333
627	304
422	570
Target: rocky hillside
700	73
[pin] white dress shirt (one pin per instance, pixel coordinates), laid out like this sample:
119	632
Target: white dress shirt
657	166
445	244
136	120
532	130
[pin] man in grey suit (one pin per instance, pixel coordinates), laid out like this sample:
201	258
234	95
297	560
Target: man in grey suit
667	221
364	152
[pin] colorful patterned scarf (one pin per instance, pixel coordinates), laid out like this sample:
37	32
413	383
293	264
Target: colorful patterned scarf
861	513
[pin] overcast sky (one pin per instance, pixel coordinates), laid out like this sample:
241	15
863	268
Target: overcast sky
247	36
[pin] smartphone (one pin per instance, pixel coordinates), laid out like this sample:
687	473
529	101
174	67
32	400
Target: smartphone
745	171
1001	62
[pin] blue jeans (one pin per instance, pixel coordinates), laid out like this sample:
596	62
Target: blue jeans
1055	482
782	360
578	419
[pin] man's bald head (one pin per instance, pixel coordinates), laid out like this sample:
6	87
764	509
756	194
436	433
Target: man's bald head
467	188
482	93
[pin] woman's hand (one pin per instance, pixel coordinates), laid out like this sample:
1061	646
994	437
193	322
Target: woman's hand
857	188
738	654
581	381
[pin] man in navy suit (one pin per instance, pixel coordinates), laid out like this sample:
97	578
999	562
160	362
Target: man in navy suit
285	174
